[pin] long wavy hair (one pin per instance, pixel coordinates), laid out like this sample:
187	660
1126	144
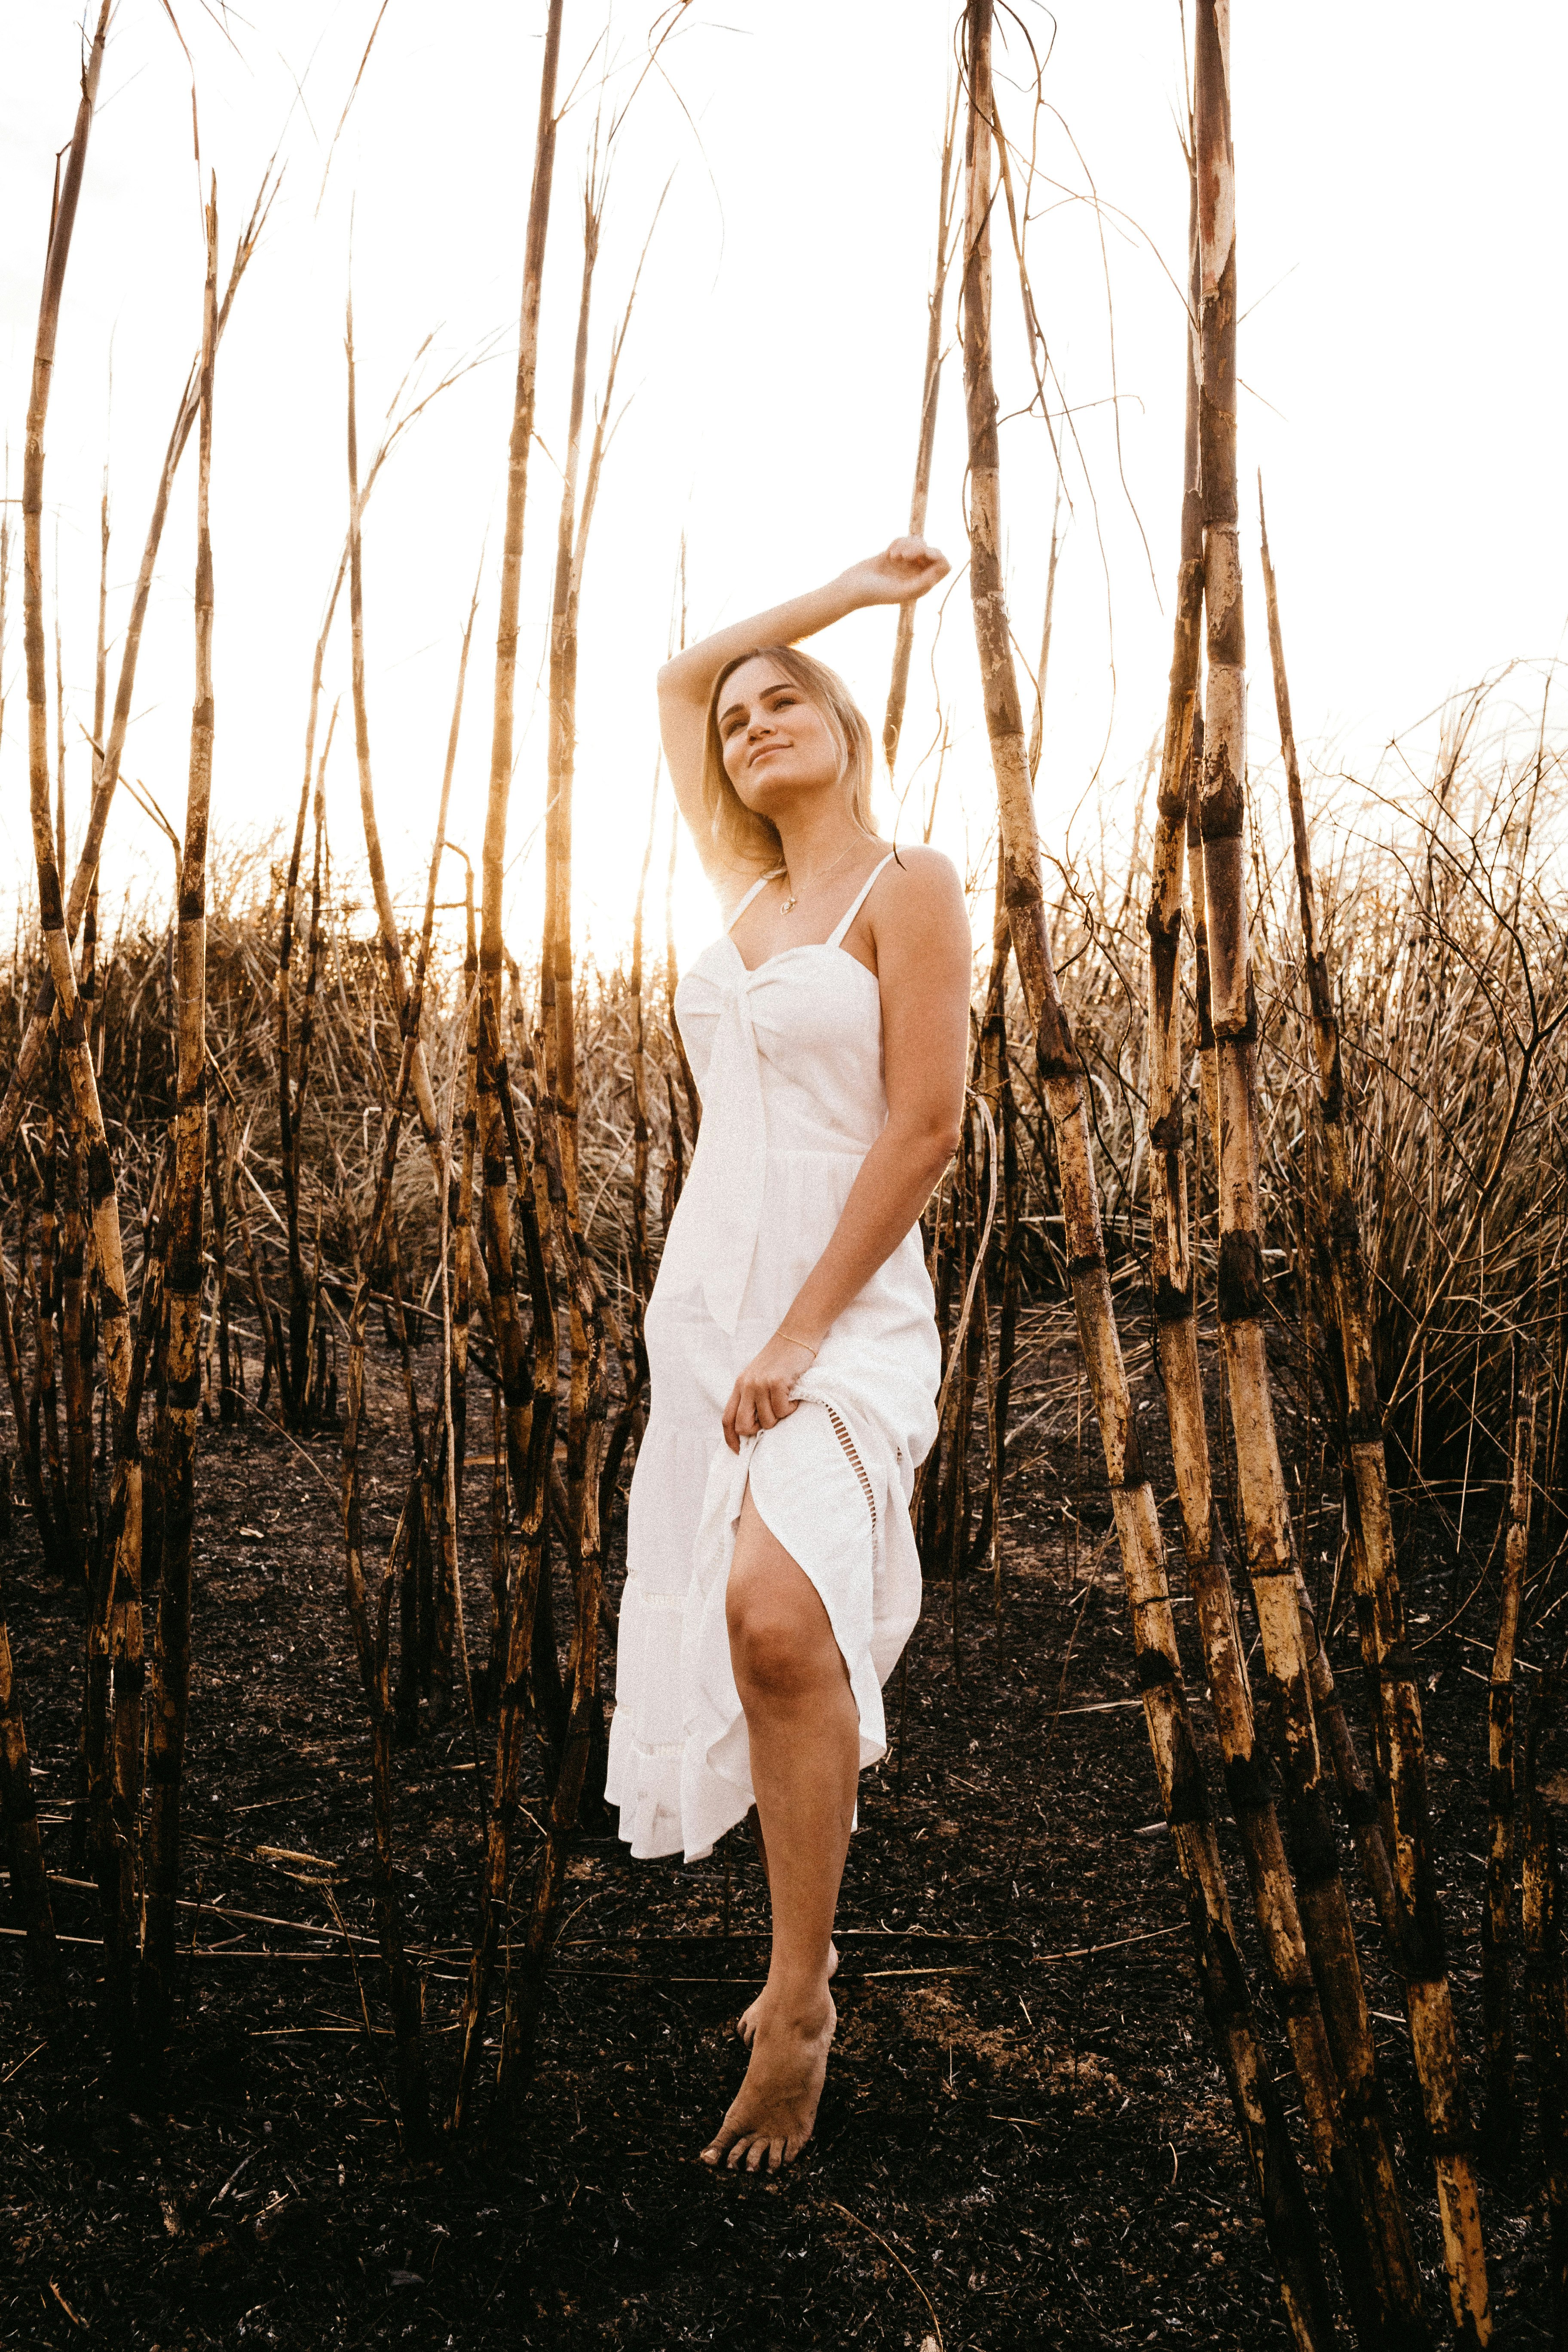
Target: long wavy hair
739	832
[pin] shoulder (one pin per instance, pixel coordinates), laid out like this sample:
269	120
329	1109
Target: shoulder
918	884
917	919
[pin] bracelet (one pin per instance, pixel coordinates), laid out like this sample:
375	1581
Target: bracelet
810	1350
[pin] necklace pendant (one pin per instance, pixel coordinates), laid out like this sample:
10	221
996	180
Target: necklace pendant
788	904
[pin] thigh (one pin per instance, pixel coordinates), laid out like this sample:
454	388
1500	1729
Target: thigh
767	1584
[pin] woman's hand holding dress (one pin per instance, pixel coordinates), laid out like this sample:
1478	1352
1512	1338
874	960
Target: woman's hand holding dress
761	1397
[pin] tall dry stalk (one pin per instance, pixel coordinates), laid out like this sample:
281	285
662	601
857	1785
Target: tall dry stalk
454	1197
292	1357
1241	1299
493	1080
74	1047
490	944
529	1454
18	1801
1390	1666
116	1666
373	1642
591	1324
1546	1984
528	1389
557	978
930	385
1497	1905
525	1989
182	1280
1350	2206
1248	2069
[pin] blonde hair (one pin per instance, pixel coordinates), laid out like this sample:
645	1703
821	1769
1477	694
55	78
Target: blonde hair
739	832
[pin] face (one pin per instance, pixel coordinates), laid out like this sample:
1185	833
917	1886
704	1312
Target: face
776	744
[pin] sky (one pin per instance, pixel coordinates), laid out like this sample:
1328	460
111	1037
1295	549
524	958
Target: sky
1399	233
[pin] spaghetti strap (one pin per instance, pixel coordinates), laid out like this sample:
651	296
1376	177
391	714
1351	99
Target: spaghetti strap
836	938
751	893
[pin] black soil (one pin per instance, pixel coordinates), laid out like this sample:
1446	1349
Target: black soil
1025	2140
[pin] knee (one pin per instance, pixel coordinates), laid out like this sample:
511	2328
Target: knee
772	1654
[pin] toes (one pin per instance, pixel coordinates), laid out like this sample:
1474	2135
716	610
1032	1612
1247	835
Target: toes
758	2149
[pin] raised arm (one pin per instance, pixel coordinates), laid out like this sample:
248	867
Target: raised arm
902	571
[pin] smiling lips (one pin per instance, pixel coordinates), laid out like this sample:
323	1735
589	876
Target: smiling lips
762	752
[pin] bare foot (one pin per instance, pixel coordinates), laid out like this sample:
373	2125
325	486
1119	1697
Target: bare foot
772	2115
746	2024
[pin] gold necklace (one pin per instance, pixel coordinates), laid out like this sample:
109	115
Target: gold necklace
795	893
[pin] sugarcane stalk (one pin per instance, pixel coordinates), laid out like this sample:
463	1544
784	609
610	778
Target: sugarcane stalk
371	1645
463	1227
116	1664
503	728
75	1325
529	1451
1241	1301
1499	2114
525	1987
45	1304
529	1403
27	1449
1389	1663
293	1373
74	1046
1173	1288
562	759
930	385
493	1081
23	1845
1183	1794
183	1281
1359	1802
447	1471
1546	1991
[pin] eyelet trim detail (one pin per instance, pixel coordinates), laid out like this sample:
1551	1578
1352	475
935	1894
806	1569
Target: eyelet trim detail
841	1432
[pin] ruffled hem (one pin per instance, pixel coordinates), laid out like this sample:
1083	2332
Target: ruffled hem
645	1783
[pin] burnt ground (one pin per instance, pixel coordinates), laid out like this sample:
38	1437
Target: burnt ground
1024	2138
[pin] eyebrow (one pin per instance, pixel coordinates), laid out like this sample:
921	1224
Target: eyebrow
774	686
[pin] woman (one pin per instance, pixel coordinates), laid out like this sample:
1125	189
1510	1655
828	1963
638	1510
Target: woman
772	1578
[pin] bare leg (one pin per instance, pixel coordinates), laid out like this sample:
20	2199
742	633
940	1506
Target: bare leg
746	2024
804	1734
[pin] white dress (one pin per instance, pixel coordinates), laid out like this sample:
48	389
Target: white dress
789	1062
